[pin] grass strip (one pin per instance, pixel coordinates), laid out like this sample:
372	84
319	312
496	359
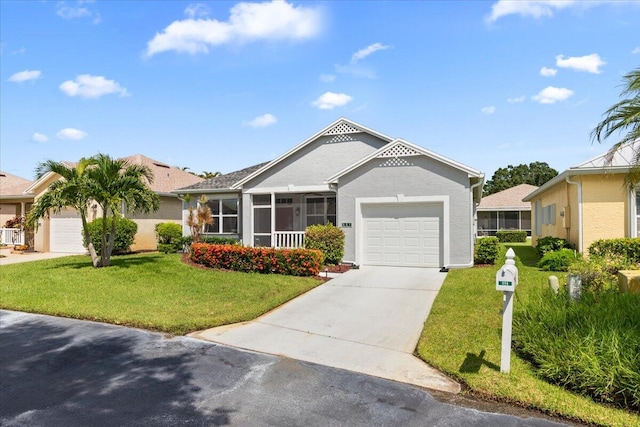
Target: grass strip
150	291
462	337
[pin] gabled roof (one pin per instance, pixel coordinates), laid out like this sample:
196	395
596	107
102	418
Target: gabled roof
400	148
339	127
13	186
511	198
165	178
221	182
620	162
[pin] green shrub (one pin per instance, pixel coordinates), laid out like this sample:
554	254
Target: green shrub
218	240
487	250
559	260
590	346
511	236
598	274
550	244
169	236
328	239
627	250
126	231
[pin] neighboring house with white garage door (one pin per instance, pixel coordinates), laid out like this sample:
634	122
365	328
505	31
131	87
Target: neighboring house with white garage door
62	231
399	204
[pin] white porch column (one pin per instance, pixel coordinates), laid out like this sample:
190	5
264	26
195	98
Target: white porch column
273	219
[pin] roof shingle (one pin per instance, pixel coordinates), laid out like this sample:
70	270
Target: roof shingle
12	185
224	181
509	198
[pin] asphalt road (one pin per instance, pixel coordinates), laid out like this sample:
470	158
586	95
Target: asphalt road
64	372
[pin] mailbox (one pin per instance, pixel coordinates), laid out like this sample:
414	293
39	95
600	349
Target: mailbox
506	278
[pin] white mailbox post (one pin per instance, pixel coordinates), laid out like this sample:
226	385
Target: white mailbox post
506	281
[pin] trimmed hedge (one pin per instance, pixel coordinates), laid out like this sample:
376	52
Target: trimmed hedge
326	238
169	236
550	244
559	260
487	250
292	262
126	231
511	236
627	248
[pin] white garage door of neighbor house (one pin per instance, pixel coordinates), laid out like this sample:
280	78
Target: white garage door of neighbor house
66	235
402	234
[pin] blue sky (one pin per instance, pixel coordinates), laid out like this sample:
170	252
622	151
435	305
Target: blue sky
218	86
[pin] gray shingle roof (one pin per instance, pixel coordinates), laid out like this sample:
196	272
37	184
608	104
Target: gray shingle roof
224	181
509	198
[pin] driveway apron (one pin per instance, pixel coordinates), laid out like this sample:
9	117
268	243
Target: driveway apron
367	320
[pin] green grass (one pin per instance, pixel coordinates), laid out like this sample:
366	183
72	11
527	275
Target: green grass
150	291
462	338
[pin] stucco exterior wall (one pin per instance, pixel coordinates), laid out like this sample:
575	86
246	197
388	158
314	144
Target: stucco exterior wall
8	211
605	208
425	177
560	196
317	161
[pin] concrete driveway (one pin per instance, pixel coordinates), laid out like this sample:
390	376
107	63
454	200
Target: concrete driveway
366	321
15	258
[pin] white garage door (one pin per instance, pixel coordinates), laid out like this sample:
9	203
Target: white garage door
66	235
402	234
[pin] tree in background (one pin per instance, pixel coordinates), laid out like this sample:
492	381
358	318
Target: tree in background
623	117
536	173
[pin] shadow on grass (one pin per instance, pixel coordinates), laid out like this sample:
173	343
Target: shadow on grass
473	362
119	261
527	255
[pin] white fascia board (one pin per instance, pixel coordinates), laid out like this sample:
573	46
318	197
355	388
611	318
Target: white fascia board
31	188
504	208
291	189
473	173
206	191
304	144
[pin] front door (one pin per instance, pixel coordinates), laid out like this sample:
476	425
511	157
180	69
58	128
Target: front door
284	218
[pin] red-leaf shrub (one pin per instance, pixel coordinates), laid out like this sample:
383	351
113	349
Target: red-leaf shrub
292	262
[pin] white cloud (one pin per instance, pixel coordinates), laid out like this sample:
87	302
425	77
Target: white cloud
197	10
516	100
26	75
20	51
532	8
589	63
275	20
355	70
327	78
262	121
363	53
636	50
40	137
548	72
79	10
330	100
488	110
88	86
71	133
551	95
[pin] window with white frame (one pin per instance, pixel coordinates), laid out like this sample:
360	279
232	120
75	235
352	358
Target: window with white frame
225	216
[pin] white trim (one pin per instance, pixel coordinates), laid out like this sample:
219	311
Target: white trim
400	198
423	151
578	184
290	189
304	144
633	216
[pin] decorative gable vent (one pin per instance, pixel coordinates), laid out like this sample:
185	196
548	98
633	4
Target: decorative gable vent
342	128
396	161
399	150
340	138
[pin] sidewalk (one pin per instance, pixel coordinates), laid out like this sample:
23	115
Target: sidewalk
14	257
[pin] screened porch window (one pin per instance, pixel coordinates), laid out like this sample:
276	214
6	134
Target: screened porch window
321	210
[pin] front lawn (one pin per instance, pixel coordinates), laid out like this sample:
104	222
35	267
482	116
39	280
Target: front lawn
151	291
462	338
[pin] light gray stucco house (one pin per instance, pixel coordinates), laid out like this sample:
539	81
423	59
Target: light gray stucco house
398	203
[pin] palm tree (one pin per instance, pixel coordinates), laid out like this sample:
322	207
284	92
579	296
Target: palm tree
624	116
116	185
70	191
199	218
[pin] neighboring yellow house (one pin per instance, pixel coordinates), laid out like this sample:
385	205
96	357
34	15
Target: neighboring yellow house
62	232
588	202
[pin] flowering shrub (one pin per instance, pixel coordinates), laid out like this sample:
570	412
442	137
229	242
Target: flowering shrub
292	262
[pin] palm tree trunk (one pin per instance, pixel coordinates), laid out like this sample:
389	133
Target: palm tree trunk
87	237
112	239
104	239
